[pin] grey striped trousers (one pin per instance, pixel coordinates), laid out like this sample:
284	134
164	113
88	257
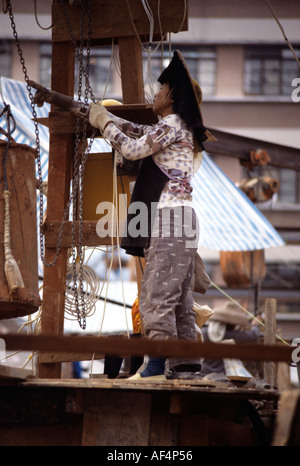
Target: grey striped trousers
166	301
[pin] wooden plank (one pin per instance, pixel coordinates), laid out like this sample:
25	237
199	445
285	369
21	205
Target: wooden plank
125	347
50	358
163	426
116	418
232	145
11	372
269	339
207	388
288	404
119	18
89	234
64	122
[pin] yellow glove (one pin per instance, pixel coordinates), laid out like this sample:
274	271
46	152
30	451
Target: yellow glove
99	116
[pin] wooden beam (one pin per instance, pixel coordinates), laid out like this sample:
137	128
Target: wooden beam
112	19
124	347
50	358
131	65
232	145
90	234
59	173
287	421
64	122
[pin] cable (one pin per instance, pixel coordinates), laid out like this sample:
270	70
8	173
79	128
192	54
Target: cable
245	310
109	69
37	21
283	33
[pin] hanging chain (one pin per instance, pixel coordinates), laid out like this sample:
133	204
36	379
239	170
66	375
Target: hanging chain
81	317
36	129
78	51
78	169
80	159
38	158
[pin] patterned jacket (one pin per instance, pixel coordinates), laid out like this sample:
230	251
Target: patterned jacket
169	142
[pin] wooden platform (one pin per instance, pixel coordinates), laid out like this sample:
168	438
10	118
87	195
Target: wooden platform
119	412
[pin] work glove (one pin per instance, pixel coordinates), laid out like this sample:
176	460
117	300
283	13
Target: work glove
99	116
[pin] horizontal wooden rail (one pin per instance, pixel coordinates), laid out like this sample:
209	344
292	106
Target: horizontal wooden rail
124	347
90	237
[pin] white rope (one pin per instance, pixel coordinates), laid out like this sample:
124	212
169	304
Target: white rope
245	310
115	209
118	243
91	282
109	69
11	268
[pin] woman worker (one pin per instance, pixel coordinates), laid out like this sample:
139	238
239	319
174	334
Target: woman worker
166	151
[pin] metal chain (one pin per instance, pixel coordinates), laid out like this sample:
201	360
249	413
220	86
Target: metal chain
66	212
77	52
78	169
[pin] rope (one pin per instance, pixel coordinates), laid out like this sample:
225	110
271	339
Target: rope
109	69
245	310
11	268
91	292
149	50
115	208
283	32
37	21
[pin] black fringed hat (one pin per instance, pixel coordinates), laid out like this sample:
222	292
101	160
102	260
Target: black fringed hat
186	94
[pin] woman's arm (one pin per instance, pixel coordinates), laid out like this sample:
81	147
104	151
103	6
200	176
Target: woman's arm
133	130
159	137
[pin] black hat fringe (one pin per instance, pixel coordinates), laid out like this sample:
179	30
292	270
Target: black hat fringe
185	101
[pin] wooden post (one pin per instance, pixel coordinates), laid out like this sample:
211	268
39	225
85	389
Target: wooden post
59	173
103	25
270	338
131	65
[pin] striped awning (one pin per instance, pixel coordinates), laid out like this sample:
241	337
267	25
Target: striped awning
229	221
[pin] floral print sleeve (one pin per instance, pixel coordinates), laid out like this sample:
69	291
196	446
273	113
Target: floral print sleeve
129	128
169	142
155	139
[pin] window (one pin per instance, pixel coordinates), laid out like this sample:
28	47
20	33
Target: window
270	70
5	58
45	64
100	77
201	62
99	64
289	186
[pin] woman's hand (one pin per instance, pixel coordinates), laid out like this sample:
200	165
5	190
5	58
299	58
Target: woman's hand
99	116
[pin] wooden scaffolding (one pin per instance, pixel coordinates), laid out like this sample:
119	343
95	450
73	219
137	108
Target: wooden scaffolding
126	24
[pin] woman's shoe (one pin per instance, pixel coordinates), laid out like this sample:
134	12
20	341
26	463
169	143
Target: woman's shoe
151	378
